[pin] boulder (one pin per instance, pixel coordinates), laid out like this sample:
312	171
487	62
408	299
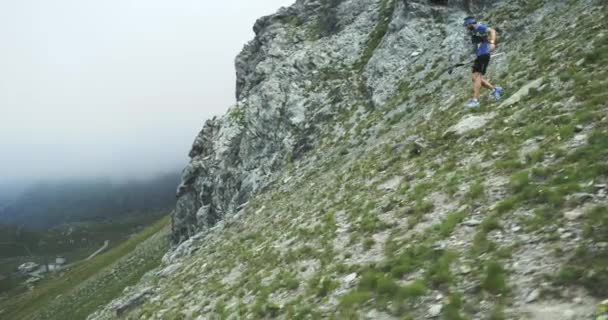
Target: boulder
469	123
574	214
133	300
521	93
391	184
28	267
435	310
533	296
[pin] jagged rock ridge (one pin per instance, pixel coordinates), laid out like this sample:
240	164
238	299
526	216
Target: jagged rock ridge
306	64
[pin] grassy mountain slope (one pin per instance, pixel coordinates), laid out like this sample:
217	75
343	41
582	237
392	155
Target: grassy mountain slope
434	211
86	285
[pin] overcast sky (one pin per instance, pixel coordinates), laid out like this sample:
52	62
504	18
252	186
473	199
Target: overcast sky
114	87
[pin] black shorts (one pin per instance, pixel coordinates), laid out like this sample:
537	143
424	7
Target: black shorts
481	64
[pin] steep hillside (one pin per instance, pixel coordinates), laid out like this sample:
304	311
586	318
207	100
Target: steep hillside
349	182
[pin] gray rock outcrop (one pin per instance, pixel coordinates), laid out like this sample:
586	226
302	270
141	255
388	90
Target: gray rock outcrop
307	64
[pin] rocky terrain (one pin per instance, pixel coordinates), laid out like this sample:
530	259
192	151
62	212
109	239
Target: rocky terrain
349	182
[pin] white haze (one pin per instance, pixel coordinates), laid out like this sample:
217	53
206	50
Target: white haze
115	88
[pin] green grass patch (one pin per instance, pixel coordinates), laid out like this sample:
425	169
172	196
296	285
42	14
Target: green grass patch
495	278
30	304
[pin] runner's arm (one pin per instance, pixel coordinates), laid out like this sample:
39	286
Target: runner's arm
492	39
492	36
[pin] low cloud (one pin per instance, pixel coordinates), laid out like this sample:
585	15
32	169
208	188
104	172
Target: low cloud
114	88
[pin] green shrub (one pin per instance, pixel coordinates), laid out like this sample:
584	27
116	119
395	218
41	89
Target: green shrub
519	181
355	298
494	278
413	290
326	286
506	205
476	191
438	273
451	311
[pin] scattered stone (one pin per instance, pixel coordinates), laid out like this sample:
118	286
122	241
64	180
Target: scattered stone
464	269
524	91
566	235
570	314
244	205
417	147
416	53
391	185
583	197
169	270
578	128
574	214
435	310
471	223
533	296
28	267
398	146
387	206
470	123
516	229
350	279
408	210
132	301
33	280
60	261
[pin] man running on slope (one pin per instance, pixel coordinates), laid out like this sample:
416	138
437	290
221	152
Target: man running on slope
484	39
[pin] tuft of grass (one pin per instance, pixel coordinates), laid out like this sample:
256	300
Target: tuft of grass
449	223
519	181
495	278
355	298
476	191
368	243
506	205
498	313
325	287
451	311
438	273
588	265
413	290
489	224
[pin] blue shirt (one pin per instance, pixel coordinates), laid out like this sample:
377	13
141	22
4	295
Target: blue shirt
481	32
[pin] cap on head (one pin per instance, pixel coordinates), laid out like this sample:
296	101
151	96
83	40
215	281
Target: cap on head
469	21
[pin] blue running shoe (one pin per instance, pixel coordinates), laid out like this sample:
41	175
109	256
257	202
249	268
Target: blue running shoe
496	93
472	103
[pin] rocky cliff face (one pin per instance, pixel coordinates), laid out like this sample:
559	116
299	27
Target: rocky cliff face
349	182
307	64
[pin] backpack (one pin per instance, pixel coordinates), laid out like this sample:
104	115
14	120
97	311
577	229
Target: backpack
477	37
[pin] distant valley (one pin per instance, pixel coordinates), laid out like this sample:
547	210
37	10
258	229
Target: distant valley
70	220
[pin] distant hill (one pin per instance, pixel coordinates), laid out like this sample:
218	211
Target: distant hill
50	204
8	192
